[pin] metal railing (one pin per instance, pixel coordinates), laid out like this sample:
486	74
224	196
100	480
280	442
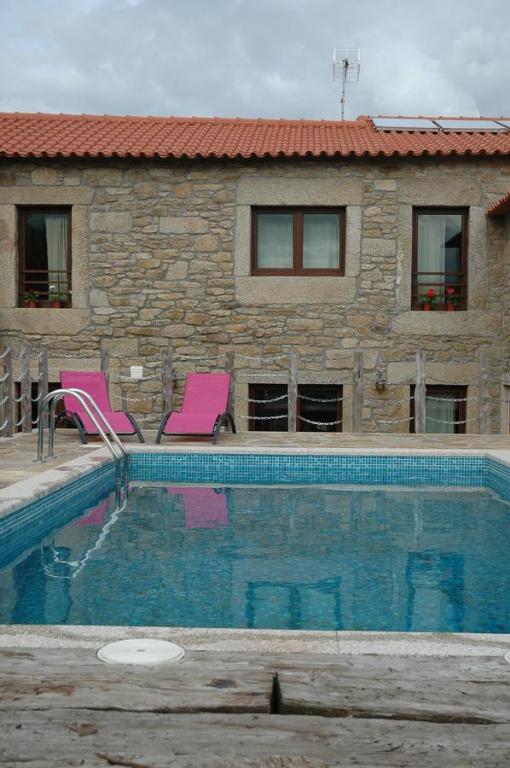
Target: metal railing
92	410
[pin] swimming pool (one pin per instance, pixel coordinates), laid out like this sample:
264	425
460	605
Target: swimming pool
337	542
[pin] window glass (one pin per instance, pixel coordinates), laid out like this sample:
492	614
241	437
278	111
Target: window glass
44	258
319	403
275	240
297	241
278	407
445	409
321	241
440	271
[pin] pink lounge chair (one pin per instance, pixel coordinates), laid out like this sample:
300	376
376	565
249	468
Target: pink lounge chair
94	382
204	408
204	507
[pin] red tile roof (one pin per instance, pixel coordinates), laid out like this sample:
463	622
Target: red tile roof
53	135
500	207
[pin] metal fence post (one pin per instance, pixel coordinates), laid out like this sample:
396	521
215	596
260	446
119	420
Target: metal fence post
230	366
420	414
292	392
167	376
357	390
484	392
26	389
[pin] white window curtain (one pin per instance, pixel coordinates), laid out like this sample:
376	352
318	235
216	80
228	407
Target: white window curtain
440	415
431	253
321	239
275	240
56	242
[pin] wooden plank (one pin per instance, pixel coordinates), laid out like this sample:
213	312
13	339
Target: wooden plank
150	740
7	394
167	375
230	368
69	678
292	391
26	389
463	690
420	389
485	396
357	391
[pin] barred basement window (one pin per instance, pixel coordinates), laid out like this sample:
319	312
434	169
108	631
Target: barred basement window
445	409
319	408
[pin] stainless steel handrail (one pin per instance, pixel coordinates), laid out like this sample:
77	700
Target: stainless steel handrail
84	398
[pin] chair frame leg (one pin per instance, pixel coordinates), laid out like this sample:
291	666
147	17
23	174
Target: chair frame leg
135	427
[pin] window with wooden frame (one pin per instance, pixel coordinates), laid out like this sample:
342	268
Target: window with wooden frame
44	240
440	245
319	408
445	409
297	241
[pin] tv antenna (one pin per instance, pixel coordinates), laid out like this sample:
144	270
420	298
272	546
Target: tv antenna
346	64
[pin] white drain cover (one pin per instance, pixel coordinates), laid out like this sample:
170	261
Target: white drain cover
140	651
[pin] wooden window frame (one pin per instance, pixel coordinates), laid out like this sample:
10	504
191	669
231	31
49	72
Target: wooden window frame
297	267
23	211
463	274
252	406
454	391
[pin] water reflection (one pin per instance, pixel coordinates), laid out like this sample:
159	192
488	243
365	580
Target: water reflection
323	558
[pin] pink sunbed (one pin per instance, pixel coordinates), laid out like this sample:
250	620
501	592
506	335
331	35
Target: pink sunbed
94	383
203	507
204	408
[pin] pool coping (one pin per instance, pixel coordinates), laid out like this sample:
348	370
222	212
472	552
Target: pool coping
23	492
342	643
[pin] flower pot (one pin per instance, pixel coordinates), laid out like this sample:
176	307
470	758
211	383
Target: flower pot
56	304
31	304
426	306
450	307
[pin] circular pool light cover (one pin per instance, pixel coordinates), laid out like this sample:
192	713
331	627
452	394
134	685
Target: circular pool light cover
140	650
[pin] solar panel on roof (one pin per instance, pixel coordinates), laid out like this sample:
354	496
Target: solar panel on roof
404	123
506	123
469	125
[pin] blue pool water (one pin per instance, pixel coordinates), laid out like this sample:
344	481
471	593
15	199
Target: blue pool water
324	557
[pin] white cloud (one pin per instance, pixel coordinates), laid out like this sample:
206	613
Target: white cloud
267	58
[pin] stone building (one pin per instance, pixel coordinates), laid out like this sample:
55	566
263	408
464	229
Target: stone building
256	237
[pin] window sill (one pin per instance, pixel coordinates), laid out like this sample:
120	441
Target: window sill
44	320
295	289
470	322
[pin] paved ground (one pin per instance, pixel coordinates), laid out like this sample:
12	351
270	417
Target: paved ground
17	455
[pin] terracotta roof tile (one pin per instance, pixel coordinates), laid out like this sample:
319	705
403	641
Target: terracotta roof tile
500	207
54	135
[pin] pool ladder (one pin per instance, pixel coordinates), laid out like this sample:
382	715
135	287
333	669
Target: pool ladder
117	450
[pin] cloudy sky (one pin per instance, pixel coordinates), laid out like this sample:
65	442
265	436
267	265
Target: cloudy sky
254	58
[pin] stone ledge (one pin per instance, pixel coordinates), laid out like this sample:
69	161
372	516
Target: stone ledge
450	324
290	190
295	290
44	320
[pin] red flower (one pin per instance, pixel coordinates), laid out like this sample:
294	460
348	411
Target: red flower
450	291
431	293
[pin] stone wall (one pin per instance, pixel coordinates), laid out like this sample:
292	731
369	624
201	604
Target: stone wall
161	257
